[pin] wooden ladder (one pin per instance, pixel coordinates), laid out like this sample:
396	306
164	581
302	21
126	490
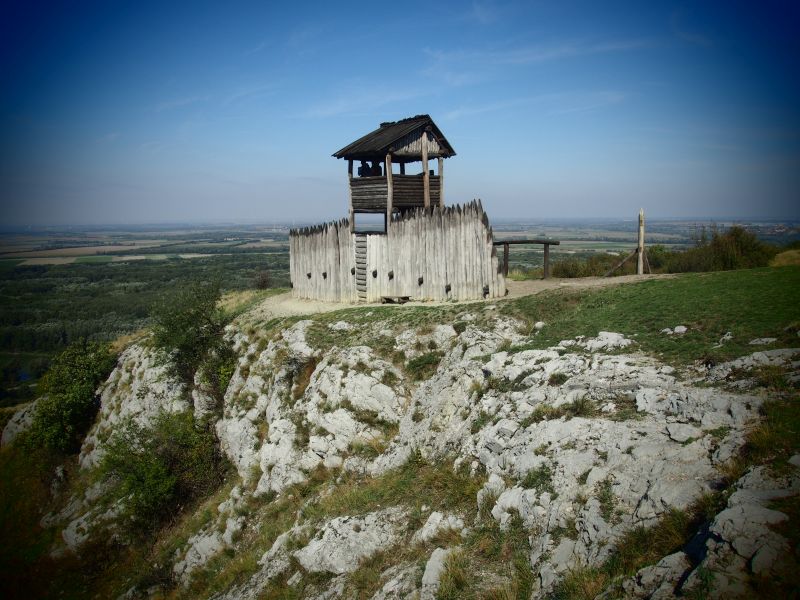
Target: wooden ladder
361	266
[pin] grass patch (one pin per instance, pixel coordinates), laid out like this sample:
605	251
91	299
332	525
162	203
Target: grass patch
625	408
301	377
580	407
772	442
539	479
424	365
637	548
709	304
606	498
416	482
93	260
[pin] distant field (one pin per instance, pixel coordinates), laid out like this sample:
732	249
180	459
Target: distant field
92	259
59	286
9	251
45	307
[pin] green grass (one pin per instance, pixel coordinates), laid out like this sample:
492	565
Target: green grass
9	263
424	366
772	442
539	479
94	260
749	303
415	483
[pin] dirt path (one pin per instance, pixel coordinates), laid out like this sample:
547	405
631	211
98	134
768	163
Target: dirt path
284	305
529	287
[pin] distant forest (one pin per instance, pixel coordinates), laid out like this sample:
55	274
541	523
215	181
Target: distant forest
44	308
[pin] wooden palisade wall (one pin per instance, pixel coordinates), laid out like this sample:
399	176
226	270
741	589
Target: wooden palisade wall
427	254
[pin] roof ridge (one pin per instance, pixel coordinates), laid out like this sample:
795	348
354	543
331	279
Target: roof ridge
406	120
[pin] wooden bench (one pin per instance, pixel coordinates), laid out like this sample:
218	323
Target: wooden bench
395	299
545	243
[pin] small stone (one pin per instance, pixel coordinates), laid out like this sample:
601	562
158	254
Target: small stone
763	341
433	571
795	460
682	433
679	330
667	331
436	523
539	325
295	579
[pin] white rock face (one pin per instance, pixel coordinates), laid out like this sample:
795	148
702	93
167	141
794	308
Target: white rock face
344	541
741	542
433	572
660	580
19	423
579	437
786	357
273	563
436	523
139	388
401	582
205	545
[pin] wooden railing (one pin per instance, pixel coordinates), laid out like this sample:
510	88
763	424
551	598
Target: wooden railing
370	194
547	243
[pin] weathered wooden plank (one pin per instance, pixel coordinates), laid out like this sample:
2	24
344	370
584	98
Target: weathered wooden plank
426	189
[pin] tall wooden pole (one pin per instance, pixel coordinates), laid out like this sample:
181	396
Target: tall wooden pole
441	182
389	191
640	245
426	180
350	192
547	261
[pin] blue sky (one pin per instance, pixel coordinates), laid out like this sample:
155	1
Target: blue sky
117	112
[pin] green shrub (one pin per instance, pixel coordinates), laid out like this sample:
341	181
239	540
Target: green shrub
189	328
735	248
539	479
158	471
68	403
425	365
593	266
714	250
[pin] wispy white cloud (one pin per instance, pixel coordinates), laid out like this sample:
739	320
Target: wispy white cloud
108	138
680	30
458	68
304	41
584	101
179	103
469	111
550	104
256	48
153	146
250	93
362	99
539	53
482	12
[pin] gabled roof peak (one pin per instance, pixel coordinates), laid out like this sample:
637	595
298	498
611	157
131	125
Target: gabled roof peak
392	134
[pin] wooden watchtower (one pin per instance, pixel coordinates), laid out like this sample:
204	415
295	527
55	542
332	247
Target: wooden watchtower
376	188
427	251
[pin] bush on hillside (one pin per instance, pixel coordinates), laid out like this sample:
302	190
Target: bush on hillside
594	266
158	471
735	248
189	327
69	403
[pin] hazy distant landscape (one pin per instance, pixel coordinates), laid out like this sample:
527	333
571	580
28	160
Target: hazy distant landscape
58	286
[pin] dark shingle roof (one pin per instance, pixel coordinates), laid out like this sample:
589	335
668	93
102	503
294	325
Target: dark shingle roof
378	142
